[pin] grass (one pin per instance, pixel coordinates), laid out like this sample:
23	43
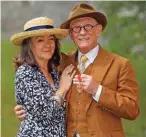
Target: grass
10	124
7	89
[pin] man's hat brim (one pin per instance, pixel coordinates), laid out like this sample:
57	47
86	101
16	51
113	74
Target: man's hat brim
98	16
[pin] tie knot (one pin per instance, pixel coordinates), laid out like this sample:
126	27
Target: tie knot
83	59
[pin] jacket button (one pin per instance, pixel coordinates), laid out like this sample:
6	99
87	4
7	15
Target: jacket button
92	134
78	102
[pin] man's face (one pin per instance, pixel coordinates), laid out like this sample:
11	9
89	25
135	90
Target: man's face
84	32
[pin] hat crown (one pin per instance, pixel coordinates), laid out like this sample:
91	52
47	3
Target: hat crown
40	21
80	9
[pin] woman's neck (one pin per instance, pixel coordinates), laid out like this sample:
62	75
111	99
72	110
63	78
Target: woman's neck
43	65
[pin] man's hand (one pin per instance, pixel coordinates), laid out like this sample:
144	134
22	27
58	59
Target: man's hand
19	112
87	82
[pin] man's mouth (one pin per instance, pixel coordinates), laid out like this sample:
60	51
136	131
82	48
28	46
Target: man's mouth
83	39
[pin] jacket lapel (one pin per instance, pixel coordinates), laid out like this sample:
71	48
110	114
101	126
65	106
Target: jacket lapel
100	67
73	57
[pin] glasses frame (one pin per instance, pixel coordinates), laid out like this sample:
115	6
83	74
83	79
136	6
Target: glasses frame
92	26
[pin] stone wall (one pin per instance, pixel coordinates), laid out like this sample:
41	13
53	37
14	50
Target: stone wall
14	14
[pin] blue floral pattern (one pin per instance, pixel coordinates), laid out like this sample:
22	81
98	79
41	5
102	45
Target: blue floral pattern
43	117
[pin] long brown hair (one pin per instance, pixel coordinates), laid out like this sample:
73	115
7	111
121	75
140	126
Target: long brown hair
25	56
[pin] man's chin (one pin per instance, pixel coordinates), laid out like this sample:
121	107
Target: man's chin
83	45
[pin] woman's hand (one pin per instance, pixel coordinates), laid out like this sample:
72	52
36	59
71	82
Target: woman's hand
19	112
66	79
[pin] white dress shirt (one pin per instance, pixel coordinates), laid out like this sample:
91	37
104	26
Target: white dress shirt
91	55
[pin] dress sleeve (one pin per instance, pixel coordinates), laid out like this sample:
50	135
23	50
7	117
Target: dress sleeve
31	95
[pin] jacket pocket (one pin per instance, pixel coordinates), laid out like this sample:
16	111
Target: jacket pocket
118	133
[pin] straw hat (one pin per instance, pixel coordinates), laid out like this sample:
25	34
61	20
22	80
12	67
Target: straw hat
84	10
38	27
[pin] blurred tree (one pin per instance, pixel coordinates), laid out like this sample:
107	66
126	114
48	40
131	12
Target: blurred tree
126	30
25	3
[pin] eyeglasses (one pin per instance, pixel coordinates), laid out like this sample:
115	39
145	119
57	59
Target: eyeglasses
87	27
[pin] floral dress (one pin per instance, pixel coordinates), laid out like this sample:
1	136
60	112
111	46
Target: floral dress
43	117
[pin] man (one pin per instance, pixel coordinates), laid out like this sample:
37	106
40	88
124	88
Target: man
105	88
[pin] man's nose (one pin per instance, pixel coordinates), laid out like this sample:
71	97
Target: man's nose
83	31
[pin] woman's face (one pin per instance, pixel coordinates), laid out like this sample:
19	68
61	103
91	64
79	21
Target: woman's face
43	47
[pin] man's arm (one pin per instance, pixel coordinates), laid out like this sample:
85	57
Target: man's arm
124	101
19	112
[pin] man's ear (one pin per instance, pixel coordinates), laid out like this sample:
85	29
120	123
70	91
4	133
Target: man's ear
99	29
70	34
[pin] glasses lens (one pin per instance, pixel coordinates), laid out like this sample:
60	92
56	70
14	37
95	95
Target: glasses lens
88	27
76	29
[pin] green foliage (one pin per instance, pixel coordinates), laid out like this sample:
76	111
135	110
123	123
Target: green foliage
126	29
9	122
67	46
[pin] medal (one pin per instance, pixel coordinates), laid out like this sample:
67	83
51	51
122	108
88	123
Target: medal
79	86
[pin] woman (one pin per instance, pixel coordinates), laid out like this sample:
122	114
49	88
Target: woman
37	85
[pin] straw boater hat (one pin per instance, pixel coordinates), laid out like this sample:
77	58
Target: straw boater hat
84	10
38	27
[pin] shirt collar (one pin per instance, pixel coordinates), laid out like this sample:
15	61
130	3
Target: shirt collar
91	55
